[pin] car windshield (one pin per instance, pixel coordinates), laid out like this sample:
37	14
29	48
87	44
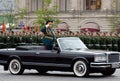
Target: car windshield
71	43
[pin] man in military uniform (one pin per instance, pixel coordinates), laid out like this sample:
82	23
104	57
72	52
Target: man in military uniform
48	35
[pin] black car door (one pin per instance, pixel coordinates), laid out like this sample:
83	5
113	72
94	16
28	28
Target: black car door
36	57
64	59
47	57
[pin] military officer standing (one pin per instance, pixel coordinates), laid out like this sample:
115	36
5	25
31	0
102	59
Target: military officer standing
48	35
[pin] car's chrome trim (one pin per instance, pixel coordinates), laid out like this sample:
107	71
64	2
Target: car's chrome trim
46	64
7	49
3	62
105	65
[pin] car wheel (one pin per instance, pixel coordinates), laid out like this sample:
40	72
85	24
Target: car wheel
80	68
15	67
108	72
41	71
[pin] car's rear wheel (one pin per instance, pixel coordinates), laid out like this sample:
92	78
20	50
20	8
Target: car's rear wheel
15	67
108	72
80	68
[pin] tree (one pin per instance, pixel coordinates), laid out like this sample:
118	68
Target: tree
12	15
46	13
20	15
8	7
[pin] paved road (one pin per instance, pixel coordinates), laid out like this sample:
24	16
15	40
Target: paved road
32	75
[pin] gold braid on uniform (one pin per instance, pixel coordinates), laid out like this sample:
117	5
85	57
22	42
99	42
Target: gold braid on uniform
48	33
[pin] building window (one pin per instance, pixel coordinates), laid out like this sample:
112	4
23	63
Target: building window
39	4
35	5
118	5
90	27
93	4
64	5
63	26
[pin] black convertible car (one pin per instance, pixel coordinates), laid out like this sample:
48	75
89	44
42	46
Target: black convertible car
70	54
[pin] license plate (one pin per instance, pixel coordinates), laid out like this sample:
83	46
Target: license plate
115	65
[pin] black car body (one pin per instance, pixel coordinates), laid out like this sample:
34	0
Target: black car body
70	54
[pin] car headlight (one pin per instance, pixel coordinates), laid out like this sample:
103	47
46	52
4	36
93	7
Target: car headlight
100	58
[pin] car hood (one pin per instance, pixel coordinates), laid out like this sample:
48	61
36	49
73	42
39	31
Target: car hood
89	51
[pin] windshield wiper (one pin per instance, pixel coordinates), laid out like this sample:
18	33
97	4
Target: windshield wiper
78	48
68	49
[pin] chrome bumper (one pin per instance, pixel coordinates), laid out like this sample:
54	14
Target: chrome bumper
105	65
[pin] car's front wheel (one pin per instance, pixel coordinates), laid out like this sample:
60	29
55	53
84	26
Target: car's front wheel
80	68
15	67
108	72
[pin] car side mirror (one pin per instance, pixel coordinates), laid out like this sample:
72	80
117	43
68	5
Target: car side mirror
56	48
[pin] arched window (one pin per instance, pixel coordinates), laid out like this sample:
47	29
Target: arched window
90	26
63	26
93	4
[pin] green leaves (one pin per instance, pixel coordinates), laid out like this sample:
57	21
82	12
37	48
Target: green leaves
22	13
46	13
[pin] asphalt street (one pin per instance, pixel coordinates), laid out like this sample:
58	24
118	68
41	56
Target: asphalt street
32	75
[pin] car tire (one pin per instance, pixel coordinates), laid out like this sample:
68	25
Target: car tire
41	71
15	67
108	72
80	68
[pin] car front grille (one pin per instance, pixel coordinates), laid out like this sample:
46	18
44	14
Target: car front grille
114	57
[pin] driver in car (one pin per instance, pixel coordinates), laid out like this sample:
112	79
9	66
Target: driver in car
48	35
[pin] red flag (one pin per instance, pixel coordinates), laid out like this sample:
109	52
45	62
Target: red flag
3	26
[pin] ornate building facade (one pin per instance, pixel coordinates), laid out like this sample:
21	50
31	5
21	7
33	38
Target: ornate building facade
78	15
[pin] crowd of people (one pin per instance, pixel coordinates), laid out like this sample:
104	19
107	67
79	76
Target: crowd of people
91	39
60	33
93	34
